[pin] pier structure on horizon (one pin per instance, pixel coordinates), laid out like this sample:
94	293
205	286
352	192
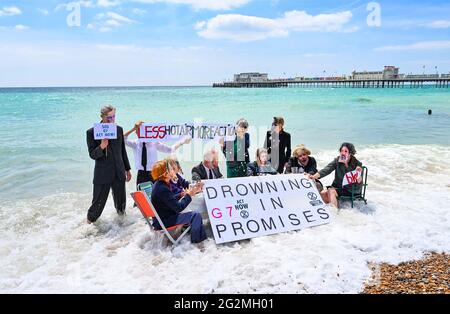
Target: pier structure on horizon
388	78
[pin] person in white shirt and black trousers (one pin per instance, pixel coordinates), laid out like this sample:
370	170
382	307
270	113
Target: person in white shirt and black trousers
208	169
146	154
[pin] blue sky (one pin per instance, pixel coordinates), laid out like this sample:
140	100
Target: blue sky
197	42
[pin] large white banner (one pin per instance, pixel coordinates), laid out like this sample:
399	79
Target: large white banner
166	132
105	131
244	208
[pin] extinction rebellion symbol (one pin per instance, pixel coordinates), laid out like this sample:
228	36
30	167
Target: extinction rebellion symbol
314	201
244	214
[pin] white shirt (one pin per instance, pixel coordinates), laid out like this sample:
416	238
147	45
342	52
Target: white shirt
152	152
207	172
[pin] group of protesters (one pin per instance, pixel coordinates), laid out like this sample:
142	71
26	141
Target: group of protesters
172	193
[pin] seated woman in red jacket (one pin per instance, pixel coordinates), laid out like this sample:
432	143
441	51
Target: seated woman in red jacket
169	207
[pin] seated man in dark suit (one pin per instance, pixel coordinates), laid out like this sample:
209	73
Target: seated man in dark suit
208	169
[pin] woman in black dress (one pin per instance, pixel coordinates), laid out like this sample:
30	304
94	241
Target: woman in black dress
278	144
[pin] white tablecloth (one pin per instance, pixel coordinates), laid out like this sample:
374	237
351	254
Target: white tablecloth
198	204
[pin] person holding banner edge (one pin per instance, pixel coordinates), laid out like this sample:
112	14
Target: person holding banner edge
146	154
111	170
341	165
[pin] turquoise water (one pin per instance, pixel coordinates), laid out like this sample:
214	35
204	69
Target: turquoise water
43	150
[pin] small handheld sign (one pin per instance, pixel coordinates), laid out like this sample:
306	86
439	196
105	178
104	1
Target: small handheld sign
351	177
105	131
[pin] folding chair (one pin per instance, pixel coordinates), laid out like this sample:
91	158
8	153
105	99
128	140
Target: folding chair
143	202
355	194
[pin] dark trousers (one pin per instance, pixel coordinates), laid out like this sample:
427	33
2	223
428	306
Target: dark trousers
101	192
194	219
144	176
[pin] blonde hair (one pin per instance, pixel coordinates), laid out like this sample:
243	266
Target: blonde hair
173	163
300	148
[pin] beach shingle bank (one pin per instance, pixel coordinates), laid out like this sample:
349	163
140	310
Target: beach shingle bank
428	275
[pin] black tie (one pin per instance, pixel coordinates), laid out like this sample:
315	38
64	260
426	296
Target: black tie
210	174
144	157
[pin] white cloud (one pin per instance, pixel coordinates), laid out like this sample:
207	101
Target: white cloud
439	24
108	21
10	11
203	4
249	28
120	18
137	11
82	3
21	27
423	45
18	27
108	3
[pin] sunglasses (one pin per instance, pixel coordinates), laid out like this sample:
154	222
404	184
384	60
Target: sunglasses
109	118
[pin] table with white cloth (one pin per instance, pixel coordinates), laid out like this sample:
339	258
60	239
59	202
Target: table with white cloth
198	204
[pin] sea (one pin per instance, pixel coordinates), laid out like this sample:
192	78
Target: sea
46	189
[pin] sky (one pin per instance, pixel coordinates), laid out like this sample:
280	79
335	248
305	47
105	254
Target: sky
198	42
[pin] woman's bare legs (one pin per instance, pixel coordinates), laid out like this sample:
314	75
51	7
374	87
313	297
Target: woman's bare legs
332	197
324	195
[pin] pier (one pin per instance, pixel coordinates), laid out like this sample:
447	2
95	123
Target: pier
344	83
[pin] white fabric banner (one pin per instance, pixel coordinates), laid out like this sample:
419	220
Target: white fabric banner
243	208
105	131
167	132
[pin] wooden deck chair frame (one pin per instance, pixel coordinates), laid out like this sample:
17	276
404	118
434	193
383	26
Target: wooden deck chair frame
357	196
143	202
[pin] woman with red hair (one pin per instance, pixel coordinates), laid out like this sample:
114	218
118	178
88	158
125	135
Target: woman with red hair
169	205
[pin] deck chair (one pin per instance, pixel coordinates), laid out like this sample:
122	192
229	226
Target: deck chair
356	195
142	199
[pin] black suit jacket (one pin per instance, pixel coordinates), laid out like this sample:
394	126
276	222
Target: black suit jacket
200	172
111	167
284	149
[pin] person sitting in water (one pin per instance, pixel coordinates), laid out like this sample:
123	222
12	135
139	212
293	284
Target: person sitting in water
261	166
341	165
302	162
169	207
178	183
208	169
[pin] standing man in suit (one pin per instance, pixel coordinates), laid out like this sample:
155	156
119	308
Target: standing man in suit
278	144
112	168
208	169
